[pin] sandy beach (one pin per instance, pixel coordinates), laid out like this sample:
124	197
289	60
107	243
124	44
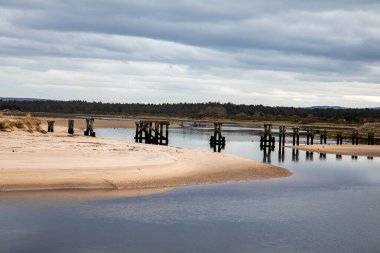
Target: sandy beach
347	149
35	161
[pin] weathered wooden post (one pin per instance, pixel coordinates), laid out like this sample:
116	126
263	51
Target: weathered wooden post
282	131
371	138
309	136
323	136
339	139
51	126
355	137
296	136
89	127
217	139
71	126
152	132
267	140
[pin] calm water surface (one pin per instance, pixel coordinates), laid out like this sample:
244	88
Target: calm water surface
330	204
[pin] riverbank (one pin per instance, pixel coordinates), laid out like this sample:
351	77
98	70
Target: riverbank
35	161
356	150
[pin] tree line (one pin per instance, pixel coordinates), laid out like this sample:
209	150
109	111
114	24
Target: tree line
197	110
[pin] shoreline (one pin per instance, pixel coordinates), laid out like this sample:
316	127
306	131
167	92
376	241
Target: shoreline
34	162
345	149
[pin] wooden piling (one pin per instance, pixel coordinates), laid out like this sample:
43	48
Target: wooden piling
309	137
267	140
152	132
217	140
281	135
90	127
323	136
296	136
371	138
355	137
71	126
339	138
51	126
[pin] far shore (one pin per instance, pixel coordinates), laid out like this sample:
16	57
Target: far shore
36	162
346	149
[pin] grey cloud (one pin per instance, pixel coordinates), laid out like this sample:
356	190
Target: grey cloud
235	45
217	26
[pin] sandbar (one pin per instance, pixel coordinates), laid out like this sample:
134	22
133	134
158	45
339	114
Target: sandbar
50	162
345	149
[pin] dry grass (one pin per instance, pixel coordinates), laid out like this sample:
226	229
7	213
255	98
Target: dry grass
27	123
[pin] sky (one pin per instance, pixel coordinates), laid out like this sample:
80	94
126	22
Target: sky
277	53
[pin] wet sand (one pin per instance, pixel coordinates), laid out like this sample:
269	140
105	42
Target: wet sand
347	149
37	162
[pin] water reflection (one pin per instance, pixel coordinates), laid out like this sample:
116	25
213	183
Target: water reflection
217	147
354	157
267	155
243	142
281	154
295	155
322	156
309	156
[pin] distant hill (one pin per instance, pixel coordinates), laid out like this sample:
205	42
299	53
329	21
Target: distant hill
22	99
338	107
326	107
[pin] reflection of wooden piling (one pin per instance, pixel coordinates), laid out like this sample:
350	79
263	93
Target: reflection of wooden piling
296	136
309	156
152	132
217	140
371	138
71	126
309	137
322	156
355	137
339	138
323	136
267	155
267	140
295	155
51	126
281	154
281	135
90	127
338	157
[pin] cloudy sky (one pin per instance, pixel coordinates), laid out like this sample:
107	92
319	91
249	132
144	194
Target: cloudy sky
287	52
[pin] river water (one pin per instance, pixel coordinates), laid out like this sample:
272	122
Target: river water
330	204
